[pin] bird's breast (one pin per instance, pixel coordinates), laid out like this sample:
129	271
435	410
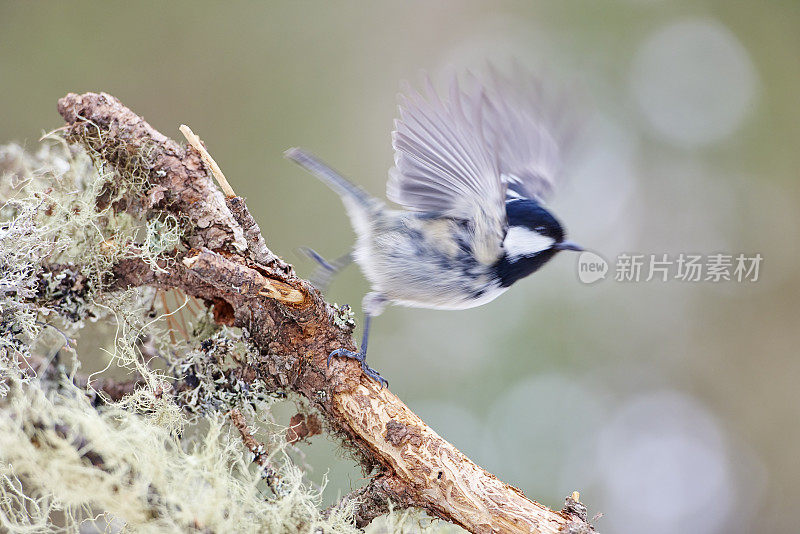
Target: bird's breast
427	264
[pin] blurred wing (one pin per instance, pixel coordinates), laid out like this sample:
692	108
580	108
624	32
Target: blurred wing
526	132
444	165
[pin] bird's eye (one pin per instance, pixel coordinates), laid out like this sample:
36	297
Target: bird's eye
539	229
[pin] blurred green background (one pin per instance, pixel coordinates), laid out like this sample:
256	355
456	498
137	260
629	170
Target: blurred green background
667	404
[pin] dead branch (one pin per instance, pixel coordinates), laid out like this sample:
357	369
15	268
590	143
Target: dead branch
257	449
229	266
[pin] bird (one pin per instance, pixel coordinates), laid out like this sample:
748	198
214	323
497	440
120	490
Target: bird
472	170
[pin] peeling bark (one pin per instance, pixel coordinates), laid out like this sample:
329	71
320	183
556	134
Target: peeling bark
228	264
303	426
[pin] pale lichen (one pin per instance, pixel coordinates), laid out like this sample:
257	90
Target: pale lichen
343	316
164	457
215	389
60	454
145	463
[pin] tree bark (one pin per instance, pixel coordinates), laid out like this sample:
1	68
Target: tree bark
228	265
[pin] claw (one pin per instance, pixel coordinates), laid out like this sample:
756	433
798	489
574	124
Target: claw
362	359
375	375
340	352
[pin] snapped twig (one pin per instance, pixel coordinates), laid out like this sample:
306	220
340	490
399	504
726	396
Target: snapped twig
197	144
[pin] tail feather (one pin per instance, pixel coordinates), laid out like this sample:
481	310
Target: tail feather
342	186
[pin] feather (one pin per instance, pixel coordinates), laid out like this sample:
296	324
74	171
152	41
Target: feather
527	131
465	156
444	165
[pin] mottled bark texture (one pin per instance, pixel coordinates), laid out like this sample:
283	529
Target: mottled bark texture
227	264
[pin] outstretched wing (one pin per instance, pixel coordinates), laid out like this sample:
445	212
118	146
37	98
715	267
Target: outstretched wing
493	141
526	131
444	164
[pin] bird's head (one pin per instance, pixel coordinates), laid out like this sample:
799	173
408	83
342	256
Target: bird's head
533	231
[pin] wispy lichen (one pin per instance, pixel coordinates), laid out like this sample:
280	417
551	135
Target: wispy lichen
60	454
52	214
144	462
163	458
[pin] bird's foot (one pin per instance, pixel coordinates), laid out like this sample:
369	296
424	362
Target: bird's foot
360	357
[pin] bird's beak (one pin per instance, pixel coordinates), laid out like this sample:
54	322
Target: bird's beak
568	245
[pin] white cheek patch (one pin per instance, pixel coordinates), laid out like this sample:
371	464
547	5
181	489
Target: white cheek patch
521	241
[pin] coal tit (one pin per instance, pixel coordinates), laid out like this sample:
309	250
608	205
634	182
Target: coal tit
471	171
